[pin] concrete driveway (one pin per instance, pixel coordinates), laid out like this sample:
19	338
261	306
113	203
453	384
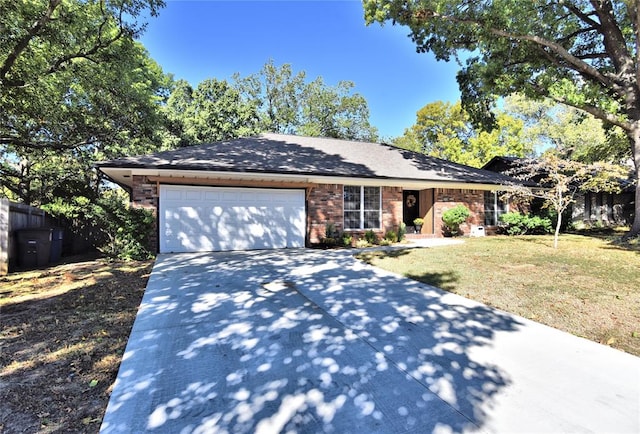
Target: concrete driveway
315	341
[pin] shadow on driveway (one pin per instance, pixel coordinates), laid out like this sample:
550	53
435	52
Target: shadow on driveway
306	341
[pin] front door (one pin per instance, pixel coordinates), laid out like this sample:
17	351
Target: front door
411	206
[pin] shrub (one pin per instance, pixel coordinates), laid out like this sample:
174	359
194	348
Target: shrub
127	229
402	231
391	236
124	230
347	239
362	243
371	237
521	224
454	217
330	230
329	242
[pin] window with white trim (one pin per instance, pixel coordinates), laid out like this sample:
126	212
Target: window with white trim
362	207
494	207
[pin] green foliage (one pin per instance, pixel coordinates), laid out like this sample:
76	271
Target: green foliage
418	221
391	236
335	112
371	237
454	217
445	131
362	243
521	224
402	231
287	104
214	111
333	237
347	239
127	229
330	230
574	134
75	87
124	230
562	180
583	54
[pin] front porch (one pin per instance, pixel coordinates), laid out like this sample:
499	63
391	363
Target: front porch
430	203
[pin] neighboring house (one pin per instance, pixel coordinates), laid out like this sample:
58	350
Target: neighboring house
590	208
276	191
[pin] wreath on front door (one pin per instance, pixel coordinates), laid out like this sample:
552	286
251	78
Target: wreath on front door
411	201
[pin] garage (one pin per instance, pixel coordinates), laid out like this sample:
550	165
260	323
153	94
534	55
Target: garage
203	219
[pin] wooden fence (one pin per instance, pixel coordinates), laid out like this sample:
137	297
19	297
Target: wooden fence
15	216
78	238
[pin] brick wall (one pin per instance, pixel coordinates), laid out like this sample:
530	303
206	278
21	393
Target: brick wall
325	205
446	199
144	194
391	208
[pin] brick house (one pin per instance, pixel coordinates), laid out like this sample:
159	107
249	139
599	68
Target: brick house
279	191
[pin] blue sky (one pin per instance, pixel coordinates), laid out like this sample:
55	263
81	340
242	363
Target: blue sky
201	39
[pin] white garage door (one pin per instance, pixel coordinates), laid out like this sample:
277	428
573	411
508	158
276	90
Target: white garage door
202	219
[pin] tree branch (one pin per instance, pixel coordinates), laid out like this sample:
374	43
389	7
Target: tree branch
586	18
97	46
85	54
16	141
562	56
595	111
614	41
23	42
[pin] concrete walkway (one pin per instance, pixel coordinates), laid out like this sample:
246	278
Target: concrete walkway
315	341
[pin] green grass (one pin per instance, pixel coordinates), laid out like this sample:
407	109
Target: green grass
589	286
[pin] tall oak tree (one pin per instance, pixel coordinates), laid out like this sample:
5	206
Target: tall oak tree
582	53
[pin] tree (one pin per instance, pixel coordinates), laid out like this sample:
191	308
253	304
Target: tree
277	93
444	130
575	134
212	112
74	88
577	52
335	112
561	180
287	104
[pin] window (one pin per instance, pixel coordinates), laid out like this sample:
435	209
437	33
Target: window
361	207
494	207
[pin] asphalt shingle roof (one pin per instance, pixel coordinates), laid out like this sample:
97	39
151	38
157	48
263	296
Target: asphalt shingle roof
287	154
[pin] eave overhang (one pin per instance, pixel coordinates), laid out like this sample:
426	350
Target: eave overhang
124	177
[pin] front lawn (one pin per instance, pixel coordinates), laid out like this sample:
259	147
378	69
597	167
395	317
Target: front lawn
589	286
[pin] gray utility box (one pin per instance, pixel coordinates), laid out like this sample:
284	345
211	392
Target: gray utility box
34	247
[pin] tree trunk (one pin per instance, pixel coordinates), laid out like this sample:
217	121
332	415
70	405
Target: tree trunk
635	228
634	136
557	234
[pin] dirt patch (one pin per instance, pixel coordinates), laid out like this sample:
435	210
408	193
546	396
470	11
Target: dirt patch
63	333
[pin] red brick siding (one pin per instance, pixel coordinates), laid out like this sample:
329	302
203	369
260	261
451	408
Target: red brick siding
391	208
144	194
324	205
446	199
